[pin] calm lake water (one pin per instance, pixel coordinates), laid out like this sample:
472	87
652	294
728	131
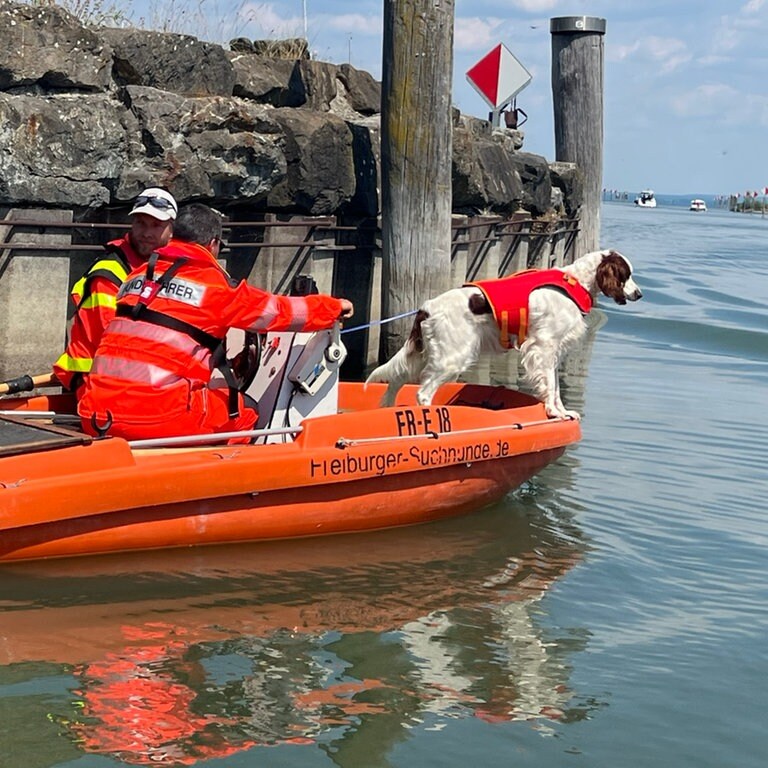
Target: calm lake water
612	612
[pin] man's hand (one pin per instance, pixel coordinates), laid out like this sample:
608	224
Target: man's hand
347	309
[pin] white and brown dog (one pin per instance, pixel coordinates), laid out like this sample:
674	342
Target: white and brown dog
540	312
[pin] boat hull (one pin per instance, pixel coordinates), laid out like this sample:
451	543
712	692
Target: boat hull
367	468
299	512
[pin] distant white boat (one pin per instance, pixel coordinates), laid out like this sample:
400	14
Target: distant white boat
646	199
698	205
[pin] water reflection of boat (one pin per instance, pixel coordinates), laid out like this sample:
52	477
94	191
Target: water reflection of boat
227	648
646	199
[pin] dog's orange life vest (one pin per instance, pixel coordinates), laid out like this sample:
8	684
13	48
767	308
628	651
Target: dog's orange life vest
508	297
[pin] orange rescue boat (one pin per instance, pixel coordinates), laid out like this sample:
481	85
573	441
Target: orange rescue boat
359	467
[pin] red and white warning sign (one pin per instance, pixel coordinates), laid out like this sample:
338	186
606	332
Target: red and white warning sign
498	77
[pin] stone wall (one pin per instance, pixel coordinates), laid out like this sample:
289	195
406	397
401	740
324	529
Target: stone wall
89	116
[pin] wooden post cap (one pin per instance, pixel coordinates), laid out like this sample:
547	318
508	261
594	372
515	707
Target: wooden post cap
568	25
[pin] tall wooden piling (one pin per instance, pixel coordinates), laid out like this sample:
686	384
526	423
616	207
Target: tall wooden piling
416	157
577	93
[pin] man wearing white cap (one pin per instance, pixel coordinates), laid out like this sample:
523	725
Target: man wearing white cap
95	293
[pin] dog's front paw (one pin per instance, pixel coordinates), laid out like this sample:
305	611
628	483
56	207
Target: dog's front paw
559	412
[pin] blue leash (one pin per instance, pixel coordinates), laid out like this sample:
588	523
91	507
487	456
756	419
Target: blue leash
380	322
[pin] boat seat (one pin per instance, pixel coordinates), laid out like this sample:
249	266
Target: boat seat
19	435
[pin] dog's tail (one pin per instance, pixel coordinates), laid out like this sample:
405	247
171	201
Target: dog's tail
405	366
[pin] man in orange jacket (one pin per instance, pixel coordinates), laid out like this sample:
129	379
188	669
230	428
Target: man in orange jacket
151	376
95	293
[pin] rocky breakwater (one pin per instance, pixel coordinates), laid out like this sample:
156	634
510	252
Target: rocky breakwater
88	116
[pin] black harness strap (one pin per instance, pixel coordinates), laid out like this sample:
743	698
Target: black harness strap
220	362
207	340
140	311
151	286
107	274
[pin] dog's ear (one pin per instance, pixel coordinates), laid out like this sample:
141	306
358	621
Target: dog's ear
612	273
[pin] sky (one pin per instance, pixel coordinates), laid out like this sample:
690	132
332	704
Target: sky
686	81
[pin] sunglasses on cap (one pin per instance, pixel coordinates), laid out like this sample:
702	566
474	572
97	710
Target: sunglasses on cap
156	202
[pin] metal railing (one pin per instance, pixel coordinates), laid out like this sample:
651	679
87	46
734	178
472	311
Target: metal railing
496	229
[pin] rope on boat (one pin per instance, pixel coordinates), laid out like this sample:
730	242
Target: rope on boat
344	442
383	321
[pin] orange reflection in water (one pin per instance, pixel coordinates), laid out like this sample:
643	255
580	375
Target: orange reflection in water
214	652
134	708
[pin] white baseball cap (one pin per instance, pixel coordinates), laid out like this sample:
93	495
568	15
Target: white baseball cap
156	202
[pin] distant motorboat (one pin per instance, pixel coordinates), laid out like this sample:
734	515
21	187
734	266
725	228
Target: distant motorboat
698	205
646	199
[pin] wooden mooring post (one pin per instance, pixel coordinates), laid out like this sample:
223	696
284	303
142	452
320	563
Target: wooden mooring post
577	94
416	155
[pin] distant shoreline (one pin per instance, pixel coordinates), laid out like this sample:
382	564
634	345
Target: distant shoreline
667	200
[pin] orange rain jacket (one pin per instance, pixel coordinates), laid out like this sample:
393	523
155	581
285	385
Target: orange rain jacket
508	297
152	370
95	298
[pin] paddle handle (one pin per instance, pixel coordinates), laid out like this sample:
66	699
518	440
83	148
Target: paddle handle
27	383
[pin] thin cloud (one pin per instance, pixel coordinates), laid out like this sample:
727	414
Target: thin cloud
270	22
668	52
470	34
724	104
741	33
534	6
753	6
356	23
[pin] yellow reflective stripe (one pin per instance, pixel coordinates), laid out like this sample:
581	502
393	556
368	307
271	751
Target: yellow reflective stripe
75	364
111	265
79	287
100	300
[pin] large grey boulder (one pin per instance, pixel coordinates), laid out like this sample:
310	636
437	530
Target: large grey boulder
490	177
48	49
211	148
321	170
64	150
266	81
568	180
303	83
363	91
315	81
178	63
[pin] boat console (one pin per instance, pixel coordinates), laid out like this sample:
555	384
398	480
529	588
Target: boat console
298	377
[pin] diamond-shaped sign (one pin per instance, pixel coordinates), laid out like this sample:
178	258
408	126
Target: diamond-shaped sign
498	77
